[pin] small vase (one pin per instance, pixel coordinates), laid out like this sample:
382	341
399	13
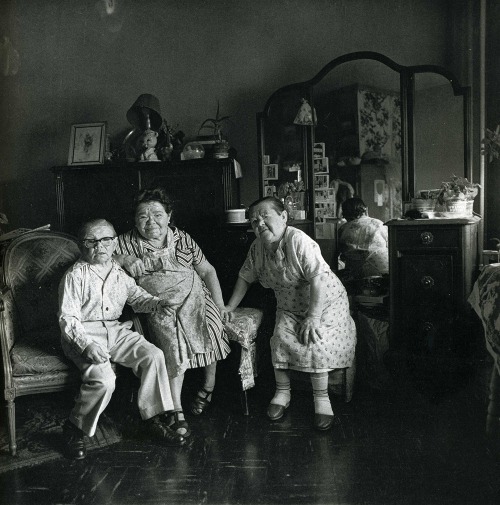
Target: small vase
221	149
456	206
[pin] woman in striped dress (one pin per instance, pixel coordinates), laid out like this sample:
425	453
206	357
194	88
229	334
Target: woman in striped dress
168	263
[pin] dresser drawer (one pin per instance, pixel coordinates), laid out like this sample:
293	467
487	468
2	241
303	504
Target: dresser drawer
427	238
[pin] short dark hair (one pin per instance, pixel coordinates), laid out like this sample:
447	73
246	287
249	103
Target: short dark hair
157	194
353	208
276	204
93	222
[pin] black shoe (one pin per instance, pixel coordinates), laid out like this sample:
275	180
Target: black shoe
323	422
74	440
157	430
180	426
275	412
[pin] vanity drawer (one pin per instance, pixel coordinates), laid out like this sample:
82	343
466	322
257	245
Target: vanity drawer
427	238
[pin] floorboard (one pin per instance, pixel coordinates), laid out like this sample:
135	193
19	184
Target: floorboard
410	443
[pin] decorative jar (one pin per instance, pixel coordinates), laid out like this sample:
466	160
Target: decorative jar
456	206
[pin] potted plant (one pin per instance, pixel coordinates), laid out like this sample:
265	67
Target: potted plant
221	145
458	195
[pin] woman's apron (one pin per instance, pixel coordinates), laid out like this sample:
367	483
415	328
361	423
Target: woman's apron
185	333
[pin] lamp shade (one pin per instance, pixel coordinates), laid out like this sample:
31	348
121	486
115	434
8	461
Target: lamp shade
146	106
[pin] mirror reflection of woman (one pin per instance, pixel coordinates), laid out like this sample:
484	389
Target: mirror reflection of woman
168	263
314	332
363	242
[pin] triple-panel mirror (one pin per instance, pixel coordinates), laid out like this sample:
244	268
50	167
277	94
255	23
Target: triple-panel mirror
364	126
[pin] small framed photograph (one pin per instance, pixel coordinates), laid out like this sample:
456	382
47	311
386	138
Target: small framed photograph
87	144
321	181
265	159
319	214
321	195
320	165
329	210
319	150
271	171
269	190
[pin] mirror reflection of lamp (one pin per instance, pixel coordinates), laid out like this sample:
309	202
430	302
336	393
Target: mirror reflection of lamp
306	114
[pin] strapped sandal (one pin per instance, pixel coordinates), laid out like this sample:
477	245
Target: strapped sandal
180	426
201	401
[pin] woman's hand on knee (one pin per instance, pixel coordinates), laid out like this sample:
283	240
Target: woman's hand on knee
310	330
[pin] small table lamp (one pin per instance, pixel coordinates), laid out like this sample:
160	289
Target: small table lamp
145	116
145	113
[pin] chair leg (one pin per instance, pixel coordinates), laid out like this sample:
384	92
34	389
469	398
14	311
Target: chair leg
348	378
244	403
11	419
493	416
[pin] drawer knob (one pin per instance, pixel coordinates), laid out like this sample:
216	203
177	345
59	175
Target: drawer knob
426	237
427	281
427	326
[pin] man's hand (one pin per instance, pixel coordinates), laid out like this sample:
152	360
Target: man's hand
309	330
95	354
166	308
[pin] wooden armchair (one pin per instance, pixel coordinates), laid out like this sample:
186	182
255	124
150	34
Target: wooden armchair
33	362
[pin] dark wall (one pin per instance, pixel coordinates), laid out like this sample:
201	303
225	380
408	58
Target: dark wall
79	64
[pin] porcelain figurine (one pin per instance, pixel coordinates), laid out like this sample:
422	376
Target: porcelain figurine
146	145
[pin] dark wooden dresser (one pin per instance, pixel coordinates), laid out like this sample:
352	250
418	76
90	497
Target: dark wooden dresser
203	190
433	264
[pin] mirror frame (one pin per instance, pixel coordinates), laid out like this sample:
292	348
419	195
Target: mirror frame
407	92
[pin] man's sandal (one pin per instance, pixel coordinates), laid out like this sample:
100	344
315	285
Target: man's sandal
201	401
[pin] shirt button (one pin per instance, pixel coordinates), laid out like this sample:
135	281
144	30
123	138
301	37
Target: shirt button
107	308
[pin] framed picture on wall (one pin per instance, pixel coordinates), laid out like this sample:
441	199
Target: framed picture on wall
269	190
87	144
270	171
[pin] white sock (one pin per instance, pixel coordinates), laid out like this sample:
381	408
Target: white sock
322	403
283	394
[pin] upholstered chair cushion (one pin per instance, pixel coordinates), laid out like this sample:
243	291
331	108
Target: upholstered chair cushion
39	353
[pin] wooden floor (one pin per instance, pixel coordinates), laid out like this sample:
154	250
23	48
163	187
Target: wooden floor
416	442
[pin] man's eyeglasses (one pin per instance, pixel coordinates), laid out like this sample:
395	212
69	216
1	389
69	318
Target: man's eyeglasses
89	243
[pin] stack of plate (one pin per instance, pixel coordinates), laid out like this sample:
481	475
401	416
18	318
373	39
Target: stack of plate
236	216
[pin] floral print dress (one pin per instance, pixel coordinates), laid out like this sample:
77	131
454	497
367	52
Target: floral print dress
288	272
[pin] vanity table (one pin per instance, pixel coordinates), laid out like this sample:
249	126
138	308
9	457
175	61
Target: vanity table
376	126
433	264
